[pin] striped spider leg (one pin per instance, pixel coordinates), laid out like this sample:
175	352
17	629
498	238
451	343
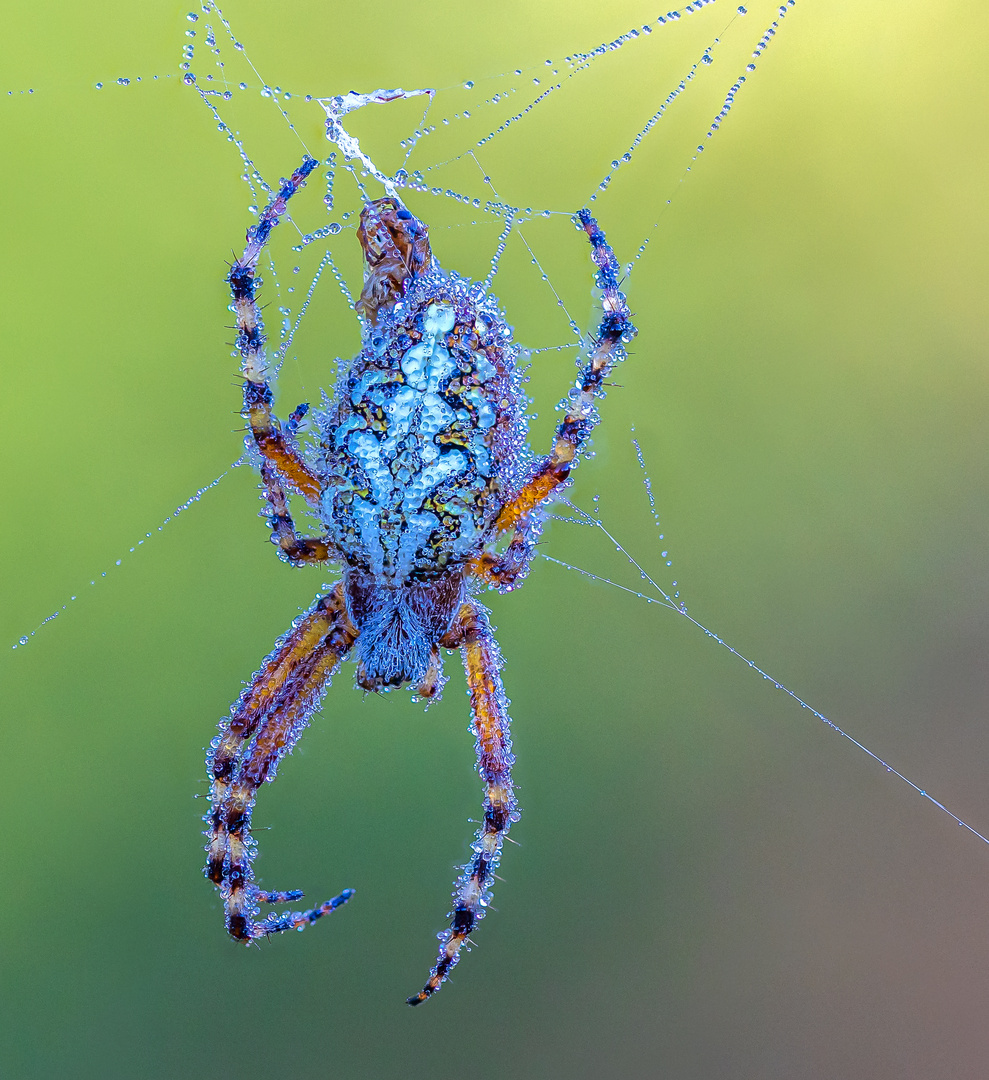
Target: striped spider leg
580	418
418	471
264	725
472	631
273	711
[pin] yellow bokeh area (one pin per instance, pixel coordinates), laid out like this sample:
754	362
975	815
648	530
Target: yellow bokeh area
708	882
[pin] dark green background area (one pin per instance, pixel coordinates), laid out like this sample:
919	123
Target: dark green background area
709	882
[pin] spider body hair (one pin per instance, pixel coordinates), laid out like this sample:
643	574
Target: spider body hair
400	627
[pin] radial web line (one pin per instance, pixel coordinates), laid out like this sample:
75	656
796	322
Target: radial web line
25	638
763	43
584	518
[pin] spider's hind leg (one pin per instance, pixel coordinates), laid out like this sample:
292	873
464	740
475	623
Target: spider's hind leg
490	723
264	725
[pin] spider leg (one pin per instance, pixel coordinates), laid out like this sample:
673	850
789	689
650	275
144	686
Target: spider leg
259	699
432	684
580	419
278	448
506	570
264	725
490	724
295	549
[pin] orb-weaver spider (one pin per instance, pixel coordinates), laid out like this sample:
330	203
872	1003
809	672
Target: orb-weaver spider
420	469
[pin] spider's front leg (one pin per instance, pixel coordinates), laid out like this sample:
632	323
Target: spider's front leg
520	514
264	725
281	457
490	722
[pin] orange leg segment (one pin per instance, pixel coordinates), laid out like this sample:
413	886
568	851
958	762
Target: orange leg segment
580	418
295	549
275	445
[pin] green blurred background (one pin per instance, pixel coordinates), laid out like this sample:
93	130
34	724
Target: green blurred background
709	882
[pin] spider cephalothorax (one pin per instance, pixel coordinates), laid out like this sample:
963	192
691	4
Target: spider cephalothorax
419	470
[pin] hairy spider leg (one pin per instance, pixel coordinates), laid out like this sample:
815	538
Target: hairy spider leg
278	448
507	569
434	680
271	713
294	549
258	699
471	632
276	735
581	417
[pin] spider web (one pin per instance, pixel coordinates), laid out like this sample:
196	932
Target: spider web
549	150
457	140
433	149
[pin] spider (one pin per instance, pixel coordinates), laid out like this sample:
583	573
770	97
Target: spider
420	470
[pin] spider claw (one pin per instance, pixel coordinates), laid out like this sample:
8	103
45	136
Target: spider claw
285	897
298	920
449	955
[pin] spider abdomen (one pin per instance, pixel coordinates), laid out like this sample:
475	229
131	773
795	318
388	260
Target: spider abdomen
422	446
